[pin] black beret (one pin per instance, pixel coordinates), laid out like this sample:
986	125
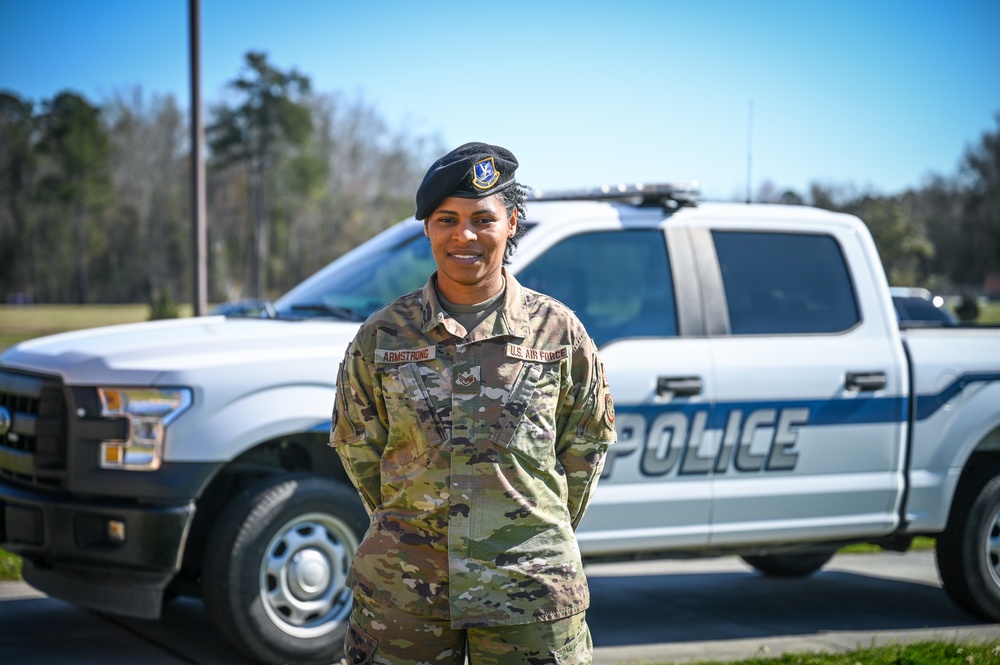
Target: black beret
471	171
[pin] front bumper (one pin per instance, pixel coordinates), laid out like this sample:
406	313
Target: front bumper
72	551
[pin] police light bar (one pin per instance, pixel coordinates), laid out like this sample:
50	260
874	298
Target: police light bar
668	195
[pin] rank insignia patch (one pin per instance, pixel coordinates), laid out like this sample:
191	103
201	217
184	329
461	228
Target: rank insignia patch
466	380
486	174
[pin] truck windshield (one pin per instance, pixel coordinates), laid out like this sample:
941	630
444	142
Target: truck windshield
392	263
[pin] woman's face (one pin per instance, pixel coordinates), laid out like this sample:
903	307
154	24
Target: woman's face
468	239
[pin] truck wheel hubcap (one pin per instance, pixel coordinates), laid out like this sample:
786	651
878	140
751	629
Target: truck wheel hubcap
309	574
303	573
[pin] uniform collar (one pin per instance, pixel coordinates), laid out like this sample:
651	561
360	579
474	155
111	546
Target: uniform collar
511	320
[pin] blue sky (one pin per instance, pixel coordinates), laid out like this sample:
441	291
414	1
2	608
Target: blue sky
872	94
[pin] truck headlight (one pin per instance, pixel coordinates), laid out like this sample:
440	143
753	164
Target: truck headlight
149	411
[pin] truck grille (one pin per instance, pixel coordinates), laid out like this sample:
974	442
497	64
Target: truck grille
33	449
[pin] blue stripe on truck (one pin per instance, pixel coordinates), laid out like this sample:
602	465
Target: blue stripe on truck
927	405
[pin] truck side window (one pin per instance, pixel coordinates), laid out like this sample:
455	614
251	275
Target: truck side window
785	283
617	282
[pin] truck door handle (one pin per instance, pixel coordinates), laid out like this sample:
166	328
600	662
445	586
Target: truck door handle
865	381
678	386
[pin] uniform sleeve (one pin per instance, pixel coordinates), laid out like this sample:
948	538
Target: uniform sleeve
358	433
586	427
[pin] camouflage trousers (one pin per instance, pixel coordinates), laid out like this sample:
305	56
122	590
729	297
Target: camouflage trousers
382	635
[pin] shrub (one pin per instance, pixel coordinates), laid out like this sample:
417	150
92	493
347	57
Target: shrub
968	308
162	306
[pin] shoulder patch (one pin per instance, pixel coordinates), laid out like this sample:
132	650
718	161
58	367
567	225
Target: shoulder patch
537	355
395	356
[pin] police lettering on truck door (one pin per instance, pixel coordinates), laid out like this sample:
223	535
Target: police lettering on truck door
684	441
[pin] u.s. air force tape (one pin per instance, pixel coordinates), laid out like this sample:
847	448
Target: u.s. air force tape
537	355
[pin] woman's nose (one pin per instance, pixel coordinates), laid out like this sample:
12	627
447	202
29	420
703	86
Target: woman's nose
465	232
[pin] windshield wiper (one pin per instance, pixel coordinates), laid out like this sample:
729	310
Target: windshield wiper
344	313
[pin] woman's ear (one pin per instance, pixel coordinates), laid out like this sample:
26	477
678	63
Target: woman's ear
513	224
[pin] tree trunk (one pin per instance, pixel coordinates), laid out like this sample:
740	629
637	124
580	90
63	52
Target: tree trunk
261	237
81	254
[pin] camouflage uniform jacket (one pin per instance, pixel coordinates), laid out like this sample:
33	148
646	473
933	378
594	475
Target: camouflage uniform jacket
475	454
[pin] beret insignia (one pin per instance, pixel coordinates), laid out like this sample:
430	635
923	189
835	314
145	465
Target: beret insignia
486	174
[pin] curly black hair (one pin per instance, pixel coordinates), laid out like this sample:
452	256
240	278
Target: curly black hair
514	198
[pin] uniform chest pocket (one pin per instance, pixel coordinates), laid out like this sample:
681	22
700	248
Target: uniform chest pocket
412	416
527	424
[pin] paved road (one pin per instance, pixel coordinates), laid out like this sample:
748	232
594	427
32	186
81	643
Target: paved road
646	611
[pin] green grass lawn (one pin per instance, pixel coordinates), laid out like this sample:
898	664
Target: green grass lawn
10	566
918	653
21	322
919	543
989	314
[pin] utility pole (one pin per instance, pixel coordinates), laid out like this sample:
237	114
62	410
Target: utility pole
199	233
749	150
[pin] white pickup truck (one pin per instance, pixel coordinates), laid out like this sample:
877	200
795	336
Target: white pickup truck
768	406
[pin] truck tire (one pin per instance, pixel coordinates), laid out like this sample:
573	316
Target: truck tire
792	564
968	552
275	566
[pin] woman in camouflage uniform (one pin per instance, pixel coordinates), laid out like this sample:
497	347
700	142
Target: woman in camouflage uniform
473	416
